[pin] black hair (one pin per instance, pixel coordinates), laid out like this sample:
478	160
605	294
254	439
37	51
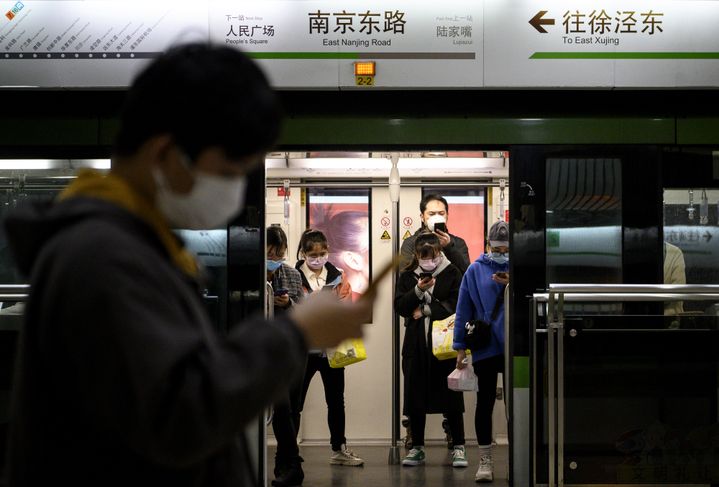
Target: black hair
309	239
276	237
432	197
425	246
204	96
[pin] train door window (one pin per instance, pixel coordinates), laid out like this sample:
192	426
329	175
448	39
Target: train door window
691	240
584	220
343	216
466	216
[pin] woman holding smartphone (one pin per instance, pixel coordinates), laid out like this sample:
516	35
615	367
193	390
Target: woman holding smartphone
481	297
427	290
287	286
319	275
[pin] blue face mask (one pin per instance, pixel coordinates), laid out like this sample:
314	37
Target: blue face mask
499	257
273	265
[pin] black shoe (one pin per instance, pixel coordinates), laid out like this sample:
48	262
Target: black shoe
290	474
447	434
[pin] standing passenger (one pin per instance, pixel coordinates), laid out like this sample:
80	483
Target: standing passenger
287	288
426	291
121	379
481	292
318	274
434	209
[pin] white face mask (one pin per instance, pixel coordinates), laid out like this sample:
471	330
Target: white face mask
315	263
211	203
435	219
430	265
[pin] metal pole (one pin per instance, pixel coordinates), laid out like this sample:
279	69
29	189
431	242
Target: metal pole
394	186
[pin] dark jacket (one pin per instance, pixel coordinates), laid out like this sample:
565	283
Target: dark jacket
425	377
457	251
335	279
122	380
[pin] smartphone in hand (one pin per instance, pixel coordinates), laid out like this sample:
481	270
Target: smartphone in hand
280	292
502	275
425	275
441	226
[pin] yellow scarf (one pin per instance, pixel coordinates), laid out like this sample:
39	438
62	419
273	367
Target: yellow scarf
111	188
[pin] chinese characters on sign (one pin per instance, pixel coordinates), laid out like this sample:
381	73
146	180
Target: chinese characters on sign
600	22
578	25
246	30
367	22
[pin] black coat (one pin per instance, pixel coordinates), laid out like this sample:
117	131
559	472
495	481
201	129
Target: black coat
122	378
457	251
425	377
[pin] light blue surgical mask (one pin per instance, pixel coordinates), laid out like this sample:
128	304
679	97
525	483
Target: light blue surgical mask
273	265
499	257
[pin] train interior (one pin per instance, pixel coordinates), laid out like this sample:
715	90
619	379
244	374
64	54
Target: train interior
627	395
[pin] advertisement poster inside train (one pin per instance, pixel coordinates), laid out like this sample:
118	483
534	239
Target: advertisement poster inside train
344	221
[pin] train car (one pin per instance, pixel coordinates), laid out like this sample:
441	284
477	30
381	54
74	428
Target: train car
600	151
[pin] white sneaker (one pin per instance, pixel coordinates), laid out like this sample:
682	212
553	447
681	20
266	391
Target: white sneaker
345	457
458	457
485	473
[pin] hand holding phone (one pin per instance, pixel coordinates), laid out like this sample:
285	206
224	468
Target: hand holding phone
501	277
280	292
425	275
441	226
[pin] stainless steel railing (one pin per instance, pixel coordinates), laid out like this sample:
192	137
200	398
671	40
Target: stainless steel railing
554	301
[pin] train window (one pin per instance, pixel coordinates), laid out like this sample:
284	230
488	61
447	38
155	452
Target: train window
466	216
691	238
584	221
343	216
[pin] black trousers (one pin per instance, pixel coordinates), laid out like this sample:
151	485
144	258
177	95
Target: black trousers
418	421
284	425
486	371
333	381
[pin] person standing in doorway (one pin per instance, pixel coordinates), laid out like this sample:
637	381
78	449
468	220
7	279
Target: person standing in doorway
434	213
318	274
481	297
287	290
427	290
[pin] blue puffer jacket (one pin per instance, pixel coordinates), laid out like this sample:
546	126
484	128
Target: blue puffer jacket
477	296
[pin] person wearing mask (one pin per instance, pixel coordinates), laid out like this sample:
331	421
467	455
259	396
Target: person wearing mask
121	377
481	296
319	274
427	290
287	292
434	209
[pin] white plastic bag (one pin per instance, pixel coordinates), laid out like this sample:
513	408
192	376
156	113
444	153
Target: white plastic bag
463	379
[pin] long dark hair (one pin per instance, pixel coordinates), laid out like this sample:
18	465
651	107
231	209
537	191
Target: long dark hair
425	247
309	239
276	237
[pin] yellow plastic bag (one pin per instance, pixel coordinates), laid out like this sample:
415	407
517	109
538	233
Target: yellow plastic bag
347	353
442	338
